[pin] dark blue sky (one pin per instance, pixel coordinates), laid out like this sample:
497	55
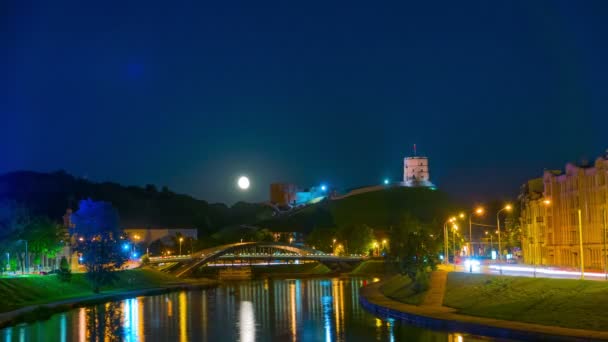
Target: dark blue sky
191	95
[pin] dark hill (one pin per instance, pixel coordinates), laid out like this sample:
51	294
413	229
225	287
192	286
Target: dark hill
378	209
51	193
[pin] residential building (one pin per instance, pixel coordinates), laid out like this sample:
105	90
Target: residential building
559	209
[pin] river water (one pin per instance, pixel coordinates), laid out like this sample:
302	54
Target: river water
258	310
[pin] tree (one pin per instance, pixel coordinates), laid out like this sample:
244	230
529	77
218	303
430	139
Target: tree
45	238
14	221
263	235
415	246
65	274
100	247
322	239
96	218
358	238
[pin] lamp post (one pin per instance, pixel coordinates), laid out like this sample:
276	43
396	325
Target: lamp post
580	243
478	211
491	242
507	208
181	239
445	239
454	229
604	238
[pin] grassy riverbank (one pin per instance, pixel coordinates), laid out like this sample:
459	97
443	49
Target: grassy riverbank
401	289
35	290
561	302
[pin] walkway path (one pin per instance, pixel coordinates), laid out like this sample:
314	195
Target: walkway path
434	296
432	314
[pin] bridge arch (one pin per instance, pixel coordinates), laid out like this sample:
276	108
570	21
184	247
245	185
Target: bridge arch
206	256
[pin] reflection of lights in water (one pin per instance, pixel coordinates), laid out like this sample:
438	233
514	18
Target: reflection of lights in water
132	322
169	307
247	322
63	328
140	315
82	324
183	315
326	301
292	309
338	296
391	327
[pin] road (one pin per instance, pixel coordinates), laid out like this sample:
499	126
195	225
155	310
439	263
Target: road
530	271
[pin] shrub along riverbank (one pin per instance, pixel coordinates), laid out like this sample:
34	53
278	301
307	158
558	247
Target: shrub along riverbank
20	292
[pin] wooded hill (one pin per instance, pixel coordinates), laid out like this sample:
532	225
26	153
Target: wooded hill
50	194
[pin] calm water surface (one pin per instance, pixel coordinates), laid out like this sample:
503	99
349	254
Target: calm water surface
264	310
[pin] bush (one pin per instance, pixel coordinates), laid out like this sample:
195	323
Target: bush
65	274
145	259
421	282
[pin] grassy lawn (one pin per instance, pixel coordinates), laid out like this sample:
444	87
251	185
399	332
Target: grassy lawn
374	267
561	302
400	288
23	291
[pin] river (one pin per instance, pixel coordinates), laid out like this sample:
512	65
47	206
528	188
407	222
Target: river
258	310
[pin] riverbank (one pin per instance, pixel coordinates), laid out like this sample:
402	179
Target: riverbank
38	297
430	313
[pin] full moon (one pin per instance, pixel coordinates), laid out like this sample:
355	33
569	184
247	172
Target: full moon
243	183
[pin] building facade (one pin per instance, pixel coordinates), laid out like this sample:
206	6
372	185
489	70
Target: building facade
283	194
563	209
416	172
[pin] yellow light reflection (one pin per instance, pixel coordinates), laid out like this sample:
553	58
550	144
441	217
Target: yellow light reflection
292	309
183	315
140	315
169	307
82	324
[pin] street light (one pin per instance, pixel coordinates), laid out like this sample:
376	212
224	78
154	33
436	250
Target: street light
181	239
445	239
477	211
491	242
507	207
454	229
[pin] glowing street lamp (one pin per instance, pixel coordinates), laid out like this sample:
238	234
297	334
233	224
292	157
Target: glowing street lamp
323	187
507	207
454	229
478	211
386	181
445	238
181	239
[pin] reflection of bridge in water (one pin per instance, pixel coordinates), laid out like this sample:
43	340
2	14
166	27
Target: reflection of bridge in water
253	251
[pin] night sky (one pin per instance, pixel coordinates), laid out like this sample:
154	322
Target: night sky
193	95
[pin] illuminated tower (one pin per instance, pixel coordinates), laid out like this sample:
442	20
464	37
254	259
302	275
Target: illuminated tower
416	172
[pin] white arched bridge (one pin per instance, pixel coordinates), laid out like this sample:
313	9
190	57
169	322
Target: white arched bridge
250	251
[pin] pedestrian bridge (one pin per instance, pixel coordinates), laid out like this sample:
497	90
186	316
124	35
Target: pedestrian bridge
261	251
